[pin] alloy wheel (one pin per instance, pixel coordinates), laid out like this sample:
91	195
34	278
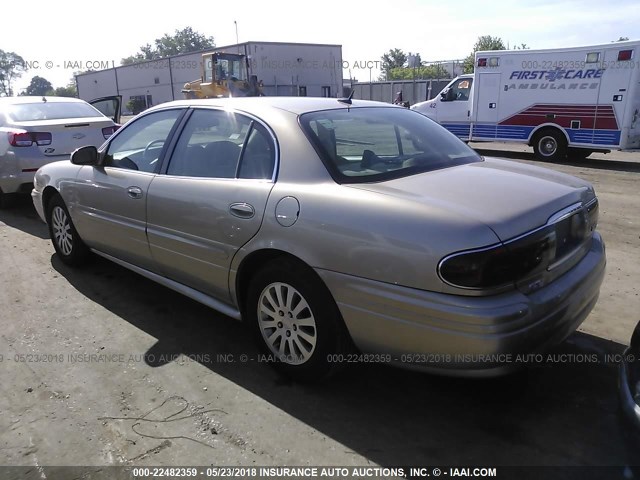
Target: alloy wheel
62	230
287	323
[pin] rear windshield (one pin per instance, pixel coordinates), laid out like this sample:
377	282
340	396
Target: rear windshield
374	144
28	112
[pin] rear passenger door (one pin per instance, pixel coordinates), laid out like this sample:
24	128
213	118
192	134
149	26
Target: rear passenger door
210	198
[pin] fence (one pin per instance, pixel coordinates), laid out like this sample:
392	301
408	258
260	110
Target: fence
429	78
413	91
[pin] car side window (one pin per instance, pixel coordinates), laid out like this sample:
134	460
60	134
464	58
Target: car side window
108	107
210	145
461	89
259	156
139	145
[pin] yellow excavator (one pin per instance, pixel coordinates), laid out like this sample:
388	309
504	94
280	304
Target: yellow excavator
224	75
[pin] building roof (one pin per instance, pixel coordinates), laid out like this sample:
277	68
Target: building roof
216	49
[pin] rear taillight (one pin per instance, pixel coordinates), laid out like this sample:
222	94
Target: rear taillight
593	213
524	261
42	138
20	139
500	265
478	269
26	139
108	131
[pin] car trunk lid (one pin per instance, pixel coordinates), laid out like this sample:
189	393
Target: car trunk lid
67	134
514	200
510	198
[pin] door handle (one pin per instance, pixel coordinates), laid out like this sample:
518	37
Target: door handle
242	210
134	192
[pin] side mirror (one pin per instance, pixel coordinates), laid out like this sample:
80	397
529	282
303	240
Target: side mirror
85	156
444	95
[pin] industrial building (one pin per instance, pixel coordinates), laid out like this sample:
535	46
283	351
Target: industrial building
283	68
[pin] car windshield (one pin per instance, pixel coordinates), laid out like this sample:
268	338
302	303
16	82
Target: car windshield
374	144
28	112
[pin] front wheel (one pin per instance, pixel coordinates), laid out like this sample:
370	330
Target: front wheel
550	145
66	241
296	320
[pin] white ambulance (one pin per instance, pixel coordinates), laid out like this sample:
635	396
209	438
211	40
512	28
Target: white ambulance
571	101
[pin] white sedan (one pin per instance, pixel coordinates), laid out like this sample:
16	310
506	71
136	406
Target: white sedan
35	131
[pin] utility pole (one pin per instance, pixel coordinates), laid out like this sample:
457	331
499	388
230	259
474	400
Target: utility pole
237	42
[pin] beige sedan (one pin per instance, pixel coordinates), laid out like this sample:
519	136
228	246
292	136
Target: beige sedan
340	230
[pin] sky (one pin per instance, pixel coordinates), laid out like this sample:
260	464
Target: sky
68	33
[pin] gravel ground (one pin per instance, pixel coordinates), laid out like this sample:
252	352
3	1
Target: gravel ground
102	367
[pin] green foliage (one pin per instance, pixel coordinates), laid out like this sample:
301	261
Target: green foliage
423	72
182	41
38	86
12	66
136	105
68	91
485	42
394	58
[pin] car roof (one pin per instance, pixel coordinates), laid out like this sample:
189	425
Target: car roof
37	99
296	105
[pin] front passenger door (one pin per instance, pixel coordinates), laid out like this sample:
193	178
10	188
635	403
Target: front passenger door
455	107
112	197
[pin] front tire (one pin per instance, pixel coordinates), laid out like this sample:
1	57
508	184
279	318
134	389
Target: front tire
66	241
550	145
296	320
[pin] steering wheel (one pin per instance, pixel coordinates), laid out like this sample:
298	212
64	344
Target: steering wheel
145	154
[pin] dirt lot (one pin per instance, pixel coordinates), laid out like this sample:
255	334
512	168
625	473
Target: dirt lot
96	370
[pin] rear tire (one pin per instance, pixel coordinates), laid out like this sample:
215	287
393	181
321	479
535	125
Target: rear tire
578	153
296	320
7	200
66	241
550	145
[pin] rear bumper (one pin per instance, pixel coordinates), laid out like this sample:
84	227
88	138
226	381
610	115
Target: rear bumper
460	335
18	183
16	173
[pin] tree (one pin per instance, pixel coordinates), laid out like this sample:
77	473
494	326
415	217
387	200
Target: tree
69	91
421	72
136	105
39	86
394	58
485	42
12	66
182	41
